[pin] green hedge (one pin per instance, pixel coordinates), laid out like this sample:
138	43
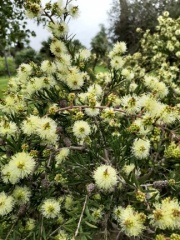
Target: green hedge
26	56
11	64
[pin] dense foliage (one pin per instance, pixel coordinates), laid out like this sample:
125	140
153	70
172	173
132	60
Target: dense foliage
13	26
100	46
93	154
126	16
27	55
11	64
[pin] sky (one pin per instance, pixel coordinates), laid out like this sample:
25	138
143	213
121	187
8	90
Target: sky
92	13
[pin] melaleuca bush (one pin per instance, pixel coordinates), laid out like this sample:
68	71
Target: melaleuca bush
76	144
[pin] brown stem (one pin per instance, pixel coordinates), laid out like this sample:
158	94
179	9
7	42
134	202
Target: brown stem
80	219
49	16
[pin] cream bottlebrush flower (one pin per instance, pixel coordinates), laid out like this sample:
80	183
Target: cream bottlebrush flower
18	105
8	175
33	11
69	201
82	98
13	84
29	126
105	177
95	89
141	148
57	47
81	129
62	236
128	74
119	48
103	77
151	105
60	8
144	129
132	87
73	11
6	203
22	164
166	214
37	84
21	194
168	115
24	71
48	82
74	79
53	108
117	62
33	85
30	224
50	208
46	129
58	29
127	169
62	61
62	155
84	54
159	88
108	114
92	112
48	67
130	104
7	128
131	222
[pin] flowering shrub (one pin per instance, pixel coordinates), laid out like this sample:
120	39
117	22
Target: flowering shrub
84	155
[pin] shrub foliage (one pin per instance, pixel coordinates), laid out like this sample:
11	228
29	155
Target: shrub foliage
83	154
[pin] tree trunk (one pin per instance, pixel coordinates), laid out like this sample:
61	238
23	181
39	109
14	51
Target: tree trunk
6	64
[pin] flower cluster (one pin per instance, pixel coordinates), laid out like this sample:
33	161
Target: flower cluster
75	143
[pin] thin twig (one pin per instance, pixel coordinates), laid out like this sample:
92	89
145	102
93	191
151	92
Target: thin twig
49	160
106	154
118	236
47	15
27	236
41	230
11	229
77	147
80	219
86	106
54	231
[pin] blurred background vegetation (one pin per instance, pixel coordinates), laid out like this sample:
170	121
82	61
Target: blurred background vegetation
125	16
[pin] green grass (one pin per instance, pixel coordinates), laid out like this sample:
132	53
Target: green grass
100	68
3	84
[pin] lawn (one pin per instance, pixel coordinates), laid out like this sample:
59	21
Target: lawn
3	84
100	68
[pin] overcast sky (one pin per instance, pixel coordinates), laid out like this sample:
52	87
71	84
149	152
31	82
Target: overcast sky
92	13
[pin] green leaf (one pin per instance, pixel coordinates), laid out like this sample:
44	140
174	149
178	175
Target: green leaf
90	225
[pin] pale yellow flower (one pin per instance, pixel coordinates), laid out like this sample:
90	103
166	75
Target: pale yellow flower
81	129
21	194
6	203
22	164
50	208
141	148
105	177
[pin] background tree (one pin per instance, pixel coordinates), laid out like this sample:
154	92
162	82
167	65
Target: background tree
13	31
100	45
77	44
44	50
27	55
126	16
